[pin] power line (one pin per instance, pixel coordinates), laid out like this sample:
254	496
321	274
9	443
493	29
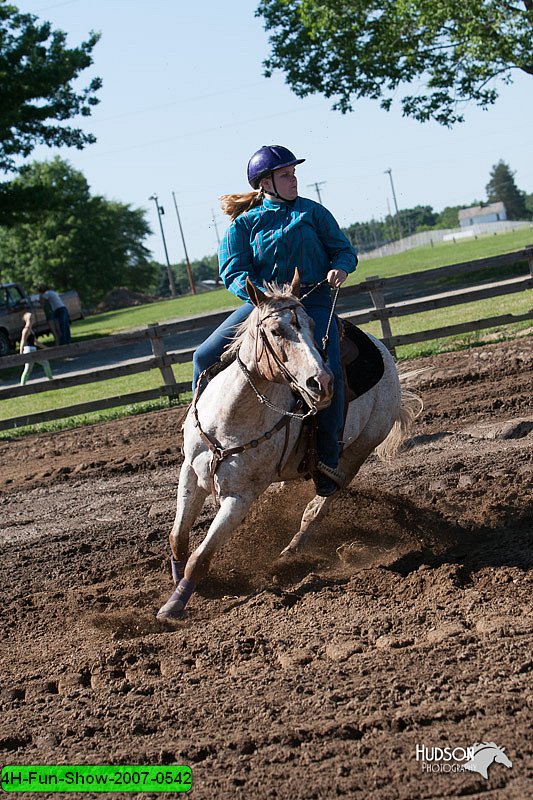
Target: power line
177	101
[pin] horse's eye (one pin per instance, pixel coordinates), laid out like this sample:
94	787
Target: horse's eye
276	332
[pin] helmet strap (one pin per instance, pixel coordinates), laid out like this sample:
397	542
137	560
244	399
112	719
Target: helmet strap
275	192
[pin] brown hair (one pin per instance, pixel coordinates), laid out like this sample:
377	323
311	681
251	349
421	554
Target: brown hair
235	204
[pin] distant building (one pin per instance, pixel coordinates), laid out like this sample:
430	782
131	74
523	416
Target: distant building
478	215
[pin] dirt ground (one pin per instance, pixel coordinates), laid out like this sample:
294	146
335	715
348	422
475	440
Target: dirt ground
408	625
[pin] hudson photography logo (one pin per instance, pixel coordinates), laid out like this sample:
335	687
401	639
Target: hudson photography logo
477	758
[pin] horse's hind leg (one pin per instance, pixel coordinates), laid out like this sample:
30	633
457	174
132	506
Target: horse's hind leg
315	511
230	514
189	503
312	516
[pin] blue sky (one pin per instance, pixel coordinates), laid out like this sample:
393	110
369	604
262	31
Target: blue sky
184	104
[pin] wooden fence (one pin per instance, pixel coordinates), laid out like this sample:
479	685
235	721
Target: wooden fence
381	311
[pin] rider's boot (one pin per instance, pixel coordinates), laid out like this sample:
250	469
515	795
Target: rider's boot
328	480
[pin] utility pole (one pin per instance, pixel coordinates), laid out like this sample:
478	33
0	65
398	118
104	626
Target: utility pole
215	224
217	279
160	212
189	270
317	186
389	173
389	223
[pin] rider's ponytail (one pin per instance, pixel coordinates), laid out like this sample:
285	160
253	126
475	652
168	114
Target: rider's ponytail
235	204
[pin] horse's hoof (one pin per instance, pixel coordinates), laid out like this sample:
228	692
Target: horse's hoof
289	554
172	610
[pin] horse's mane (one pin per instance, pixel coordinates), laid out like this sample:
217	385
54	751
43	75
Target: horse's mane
485	746
275	295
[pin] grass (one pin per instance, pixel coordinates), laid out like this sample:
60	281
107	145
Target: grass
442	254
88	419
411	261
508	304
115	387
163	311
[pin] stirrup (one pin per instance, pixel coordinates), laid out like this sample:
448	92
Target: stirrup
334	473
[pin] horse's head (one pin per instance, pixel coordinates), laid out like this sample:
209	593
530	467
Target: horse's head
503	758
284	349
485	754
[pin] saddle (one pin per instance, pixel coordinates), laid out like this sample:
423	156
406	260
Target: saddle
361	360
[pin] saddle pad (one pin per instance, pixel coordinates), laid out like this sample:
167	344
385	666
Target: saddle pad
361	359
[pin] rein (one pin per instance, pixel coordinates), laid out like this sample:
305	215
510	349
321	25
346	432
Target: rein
265	401
328	326
289	377
325	338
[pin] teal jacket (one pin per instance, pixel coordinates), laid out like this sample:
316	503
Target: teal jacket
269	242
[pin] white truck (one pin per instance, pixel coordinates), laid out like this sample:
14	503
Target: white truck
14	302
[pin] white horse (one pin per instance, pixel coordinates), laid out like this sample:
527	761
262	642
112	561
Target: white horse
242	433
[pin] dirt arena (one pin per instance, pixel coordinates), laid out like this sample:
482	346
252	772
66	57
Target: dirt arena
408	625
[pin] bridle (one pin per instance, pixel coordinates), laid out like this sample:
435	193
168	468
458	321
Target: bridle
261	338
218	451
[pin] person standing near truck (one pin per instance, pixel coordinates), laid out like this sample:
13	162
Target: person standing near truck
29	344
59	310
51	320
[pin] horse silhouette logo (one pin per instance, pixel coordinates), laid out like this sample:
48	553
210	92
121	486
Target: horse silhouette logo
485	754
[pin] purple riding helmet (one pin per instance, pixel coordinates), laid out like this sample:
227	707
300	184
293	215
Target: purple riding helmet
267	159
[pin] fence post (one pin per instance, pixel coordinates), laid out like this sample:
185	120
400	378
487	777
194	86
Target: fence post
529	248
159	351
378	298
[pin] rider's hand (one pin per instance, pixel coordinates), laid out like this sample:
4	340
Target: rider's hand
336	277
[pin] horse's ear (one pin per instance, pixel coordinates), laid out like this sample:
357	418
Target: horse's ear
256	296
296	284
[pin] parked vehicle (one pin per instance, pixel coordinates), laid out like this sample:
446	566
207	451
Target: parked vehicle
14	302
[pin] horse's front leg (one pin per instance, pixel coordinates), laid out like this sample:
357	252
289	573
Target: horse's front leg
230	514
190	500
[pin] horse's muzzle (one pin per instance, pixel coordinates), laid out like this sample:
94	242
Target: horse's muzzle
320	387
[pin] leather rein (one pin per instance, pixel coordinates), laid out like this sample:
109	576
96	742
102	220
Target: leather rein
219	452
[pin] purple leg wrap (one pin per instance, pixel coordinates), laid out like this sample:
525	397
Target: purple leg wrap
183	592
178	568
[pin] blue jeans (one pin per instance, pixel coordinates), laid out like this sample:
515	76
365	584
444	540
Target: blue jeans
62	319
318	306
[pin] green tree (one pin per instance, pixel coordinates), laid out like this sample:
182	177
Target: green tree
448	217
417	219
367	235
161	286
79	242
37	96
502	187
451	50
205	268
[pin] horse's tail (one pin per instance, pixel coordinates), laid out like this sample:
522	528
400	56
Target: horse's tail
411	406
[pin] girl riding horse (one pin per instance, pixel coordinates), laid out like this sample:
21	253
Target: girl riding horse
243	431
273	233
